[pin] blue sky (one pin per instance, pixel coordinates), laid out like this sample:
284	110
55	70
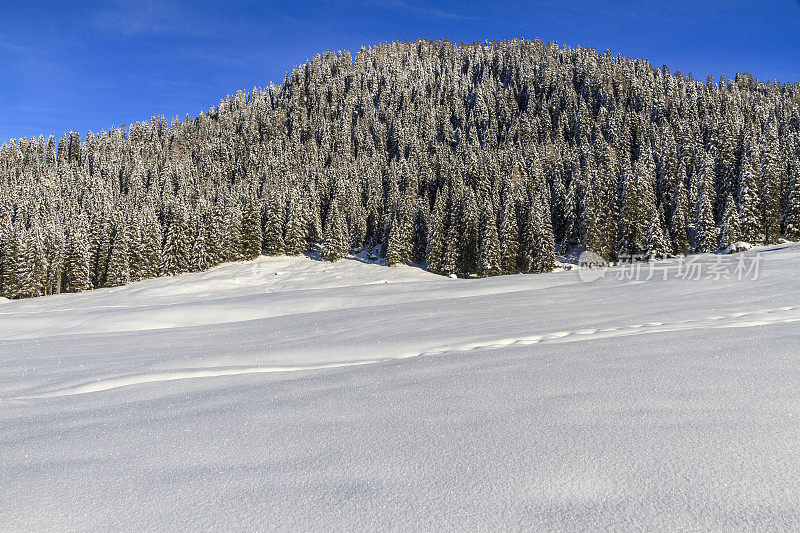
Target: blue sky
81	65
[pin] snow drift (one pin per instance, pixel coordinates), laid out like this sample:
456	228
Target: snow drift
291	393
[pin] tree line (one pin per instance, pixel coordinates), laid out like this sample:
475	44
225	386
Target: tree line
471	159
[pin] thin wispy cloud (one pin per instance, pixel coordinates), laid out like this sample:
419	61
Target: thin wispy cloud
427	11
163	17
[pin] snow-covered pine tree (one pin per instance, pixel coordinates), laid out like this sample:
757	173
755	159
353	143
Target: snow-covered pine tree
633	220
250	235
489	261
118	272
435	250
705	237
421	230
199	257
545	248
509	235
401	233
177	243
232	233
295	236
729	231
656	244
152	238
469	236
770	182
335	239
12	258
78	272
750	227
274	228
678	223
792	218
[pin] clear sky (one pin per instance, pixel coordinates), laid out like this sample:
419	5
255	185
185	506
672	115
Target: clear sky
86	65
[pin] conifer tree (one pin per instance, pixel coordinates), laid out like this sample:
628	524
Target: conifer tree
420	228
729	231
793	206
400	246
334	240
176	249
656	246
251	236
273	243
151	246
770	182
545	253
232	234
509	234
633	222
118	266
750	227
200	259
678	224
469	233
295	239
489	263
78	275
12	258
438	236
705	239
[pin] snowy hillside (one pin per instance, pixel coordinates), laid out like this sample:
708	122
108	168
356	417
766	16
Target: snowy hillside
292	393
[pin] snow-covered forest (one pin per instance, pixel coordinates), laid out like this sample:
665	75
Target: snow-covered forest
469	159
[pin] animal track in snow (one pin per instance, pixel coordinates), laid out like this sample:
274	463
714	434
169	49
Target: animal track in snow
787	314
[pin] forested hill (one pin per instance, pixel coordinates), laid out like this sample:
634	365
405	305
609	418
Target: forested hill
472	159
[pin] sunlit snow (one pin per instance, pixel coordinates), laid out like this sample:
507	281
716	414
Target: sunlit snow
292	393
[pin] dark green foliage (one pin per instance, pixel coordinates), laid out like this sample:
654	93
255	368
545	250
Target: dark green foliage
475	159
401	234
250	235
273	243
489	262
793	205
334	241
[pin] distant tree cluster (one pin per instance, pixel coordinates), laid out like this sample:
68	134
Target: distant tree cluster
471	160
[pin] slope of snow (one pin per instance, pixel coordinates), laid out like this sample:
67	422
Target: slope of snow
291	393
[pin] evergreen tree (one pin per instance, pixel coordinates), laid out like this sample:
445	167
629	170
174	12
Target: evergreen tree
118	267
793	206
729	232
295	239
749	201
176	249
334	240
273	243
12	258
438	236
400	246
678	224
200	259
770	182
78	274
420	237
251	236
509	235
469	234
489	263
656	246
705	239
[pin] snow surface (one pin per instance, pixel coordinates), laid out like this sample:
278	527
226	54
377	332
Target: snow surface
291	393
